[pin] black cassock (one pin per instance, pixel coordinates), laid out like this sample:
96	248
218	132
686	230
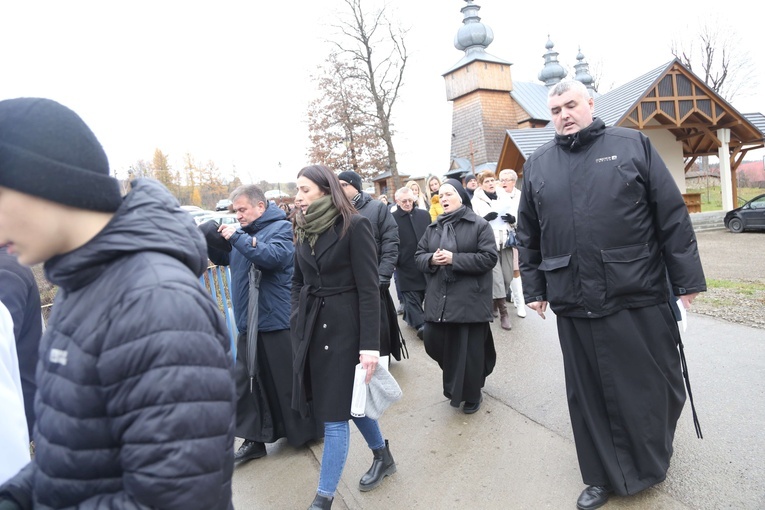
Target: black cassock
625	394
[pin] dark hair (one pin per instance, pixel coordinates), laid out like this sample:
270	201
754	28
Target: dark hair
328	182
253	193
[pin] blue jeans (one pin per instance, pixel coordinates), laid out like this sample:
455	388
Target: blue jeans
337	435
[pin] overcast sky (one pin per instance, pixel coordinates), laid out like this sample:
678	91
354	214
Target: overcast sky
229	81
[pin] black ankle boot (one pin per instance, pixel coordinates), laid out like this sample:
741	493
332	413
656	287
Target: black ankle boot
382	465
321	503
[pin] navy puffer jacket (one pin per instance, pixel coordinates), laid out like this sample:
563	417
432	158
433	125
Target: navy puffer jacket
136	401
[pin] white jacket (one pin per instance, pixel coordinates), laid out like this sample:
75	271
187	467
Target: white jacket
14	438
483	205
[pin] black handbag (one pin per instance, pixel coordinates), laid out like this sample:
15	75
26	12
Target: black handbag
512	240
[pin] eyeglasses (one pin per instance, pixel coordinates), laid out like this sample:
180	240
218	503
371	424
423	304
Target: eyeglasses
407	201
506	180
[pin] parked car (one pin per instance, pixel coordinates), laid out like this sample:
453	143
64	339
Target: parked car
223	204
275	193
221	218
750	216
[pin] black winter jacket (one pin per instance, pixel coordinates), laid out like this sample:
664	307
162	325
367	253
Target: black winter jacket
385	231
136	401
601	224
468	298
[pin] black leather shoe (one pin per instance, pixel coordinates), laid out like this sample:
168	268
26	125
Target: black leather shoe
470	407
250	450
421	332
594	496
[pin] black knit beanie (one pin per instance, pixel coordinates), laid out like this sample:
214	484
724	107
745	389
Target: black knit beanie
351	178
47	151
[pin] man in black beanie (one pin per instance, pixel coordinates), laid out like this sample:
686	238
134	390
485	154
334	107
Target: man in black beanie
385	230
470	184
135	404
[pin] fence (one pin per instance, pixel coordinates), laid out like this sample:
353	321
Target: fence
217	281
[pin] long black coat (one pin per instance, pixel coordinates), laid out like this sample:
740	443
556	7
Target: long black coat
468	298
335	314
411	227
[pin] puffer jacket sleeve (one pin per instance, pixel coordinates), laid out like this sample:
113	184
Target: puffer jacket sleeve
20	486
170	399
389	248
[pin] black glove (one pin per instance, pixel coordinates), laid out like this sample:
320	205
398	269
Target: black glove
508	218
491	216
384	283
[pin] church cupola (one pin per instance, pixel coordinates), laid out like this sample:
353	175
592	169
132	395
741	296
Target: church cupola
583	73
552	72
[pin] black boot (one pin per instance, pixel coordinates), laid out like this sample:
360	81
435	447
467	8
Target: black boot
250	450
382	465
321	503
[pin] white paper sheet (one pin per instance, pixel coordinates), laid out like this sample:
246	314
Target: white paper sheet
359	400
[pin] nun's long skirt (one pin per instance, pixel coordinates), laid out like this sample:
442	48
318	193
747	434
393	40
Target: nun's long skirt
625	394
466	355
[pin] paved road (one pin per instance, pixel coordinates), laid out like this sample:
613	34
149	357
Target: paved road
517	452
732	256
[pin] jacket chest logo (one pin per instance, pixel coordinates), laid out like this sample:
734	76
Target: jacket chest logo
606	159
58	356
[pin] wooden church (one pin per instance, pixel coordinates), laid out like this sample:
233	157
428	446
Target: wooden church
498	123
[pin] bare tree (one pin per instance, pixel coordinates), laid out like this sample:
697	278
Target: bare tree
717	55
361	35
343	132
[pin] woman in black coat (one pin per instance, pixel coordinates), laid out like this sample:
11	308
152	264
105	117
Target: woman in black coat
457	254
335	323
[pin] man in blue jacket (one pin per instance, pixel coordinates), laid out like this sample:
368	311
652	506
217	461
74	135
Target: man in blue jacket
263	240
601	225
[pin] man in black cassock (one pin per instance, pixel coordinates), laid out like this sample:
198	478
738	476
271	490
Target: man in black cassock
601	226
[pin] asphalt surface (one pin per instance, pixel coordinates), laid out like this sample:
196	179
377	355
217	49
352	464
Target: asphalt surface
517	452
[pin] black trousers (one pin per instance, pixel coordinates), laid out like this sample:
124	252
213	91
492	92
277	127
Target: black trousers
625	394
